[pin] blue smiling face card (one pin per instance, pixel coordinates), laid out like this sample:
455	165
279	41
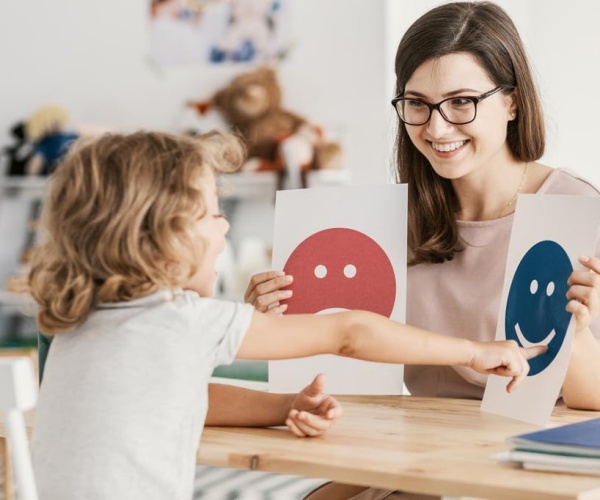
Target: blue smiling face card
549	233
536	305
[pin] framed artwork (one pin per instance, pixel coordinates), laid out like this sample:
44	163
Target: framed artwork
184	32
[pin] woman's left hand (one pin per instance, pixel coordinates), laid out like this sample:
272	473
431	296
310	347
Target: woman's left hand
584	292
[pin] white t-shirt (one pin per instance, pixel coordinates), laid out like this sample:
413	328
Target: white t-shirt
124	397
461	297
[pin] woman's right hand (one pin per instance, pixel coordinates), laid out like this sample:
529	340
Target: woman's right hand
265	291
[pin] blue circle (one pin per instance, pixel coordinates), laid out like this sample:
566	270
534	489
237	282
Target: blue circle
536	305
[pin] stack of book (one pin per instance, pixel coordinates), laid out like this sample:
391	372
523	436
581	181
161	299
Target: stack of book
572	448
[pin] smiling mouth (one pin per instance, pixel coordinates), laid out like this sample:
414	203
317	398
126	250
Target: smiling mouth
448	147
525	343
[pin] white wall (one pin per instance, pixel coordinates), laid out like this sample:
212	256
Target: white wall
93	58
563	41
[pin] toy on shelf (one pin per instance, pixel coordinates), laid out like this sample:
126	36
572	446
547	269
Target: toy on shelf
18	154
47	129
277	139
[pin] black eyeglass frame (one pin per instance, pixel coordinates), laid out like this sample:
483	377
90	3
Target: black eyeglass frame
474	99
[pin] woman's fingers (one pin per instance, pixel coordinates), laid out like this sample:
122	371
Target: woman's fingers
266	290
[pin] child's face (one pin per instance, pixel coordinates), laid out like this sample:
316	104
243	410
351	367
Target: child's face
211	229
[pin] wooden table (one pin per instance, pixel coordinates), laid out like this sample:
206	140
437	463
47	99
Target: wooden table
425	445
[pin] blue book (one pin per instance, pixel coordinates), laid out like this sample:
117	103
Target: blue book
578	439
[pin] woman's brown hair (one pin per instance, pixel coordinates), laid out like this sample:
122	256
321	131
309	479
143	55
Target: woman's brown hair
485	31
118	219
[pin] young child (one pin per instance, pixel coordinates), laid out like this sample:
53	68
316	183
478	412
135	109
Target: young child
123	279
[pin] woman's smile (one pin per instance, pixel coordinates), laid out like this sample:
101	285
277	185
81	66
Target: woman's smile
447	147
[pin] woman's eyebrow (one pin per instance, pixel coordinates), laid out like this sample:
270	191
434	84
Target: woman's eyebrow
414	93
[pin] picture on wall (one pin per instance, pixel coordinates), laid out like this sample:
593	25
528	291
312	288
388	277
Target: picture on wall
188	32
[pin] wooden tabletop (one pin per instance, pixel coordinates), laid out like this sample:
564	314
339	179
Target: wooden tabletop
425	445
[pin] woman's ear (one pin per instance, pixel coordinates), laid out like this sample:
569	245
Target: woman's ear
513	107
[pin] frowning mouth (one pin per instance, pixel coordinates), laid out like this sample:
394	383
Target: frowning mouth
332	310
525	343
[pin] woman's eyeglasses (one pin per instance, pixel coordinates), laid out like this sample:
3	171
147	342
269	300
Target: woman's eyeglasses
456	110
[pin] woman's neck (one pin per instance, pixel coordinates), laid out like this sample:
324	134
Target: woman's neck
491	194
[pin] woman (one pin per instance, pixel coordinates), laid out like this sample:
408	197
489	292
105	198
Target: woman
470	136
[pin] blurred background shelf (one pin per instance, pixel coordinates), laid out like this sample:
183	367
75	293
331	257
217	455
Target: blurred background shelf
262	185
20	202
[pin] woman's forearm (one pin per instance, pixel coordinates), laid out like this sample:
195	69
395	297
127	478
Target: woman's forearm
581	389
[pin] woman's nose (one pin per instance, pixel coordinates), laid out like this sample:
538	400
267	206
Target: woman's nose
437	126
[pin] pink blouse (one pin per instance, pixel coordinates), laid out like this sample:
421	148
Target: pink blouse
461	297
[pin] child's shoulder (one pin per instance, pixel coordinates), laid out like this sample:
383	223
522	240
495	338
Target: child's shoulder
210	307
184	306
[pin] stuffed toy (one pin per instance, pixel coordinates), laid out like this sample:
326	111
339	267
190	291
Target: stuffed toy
277	139
46	129
19	153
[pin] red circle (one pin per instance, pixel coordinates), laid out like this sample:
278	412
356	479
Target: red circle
372	288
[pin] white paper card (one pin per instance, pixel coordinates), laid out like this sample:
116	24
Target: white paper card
346	248
549	233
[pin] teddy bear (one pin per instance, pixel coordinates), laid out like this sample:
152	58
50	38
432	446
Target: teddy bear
277	139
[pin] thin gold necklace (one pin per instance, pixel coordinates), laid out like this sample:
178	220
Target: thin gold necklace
514	196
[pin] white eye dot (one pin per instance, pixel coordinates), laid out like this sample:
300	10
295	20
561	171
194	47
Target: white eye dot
349	271
550	288
533	287
320	271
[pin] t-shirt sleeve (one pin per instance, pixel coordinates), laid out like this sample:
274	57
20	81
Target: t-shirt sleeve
222	325
236	325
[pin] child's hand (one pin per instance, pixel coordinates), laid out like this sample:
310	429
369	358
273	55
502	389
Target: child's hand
264	291
505	358
584	293
312	412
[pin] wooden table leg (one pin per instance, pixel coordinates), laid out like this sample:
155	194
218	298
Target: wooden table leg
7	482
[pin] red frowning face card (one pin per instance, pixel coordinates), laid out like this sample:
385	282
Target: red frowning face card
340	268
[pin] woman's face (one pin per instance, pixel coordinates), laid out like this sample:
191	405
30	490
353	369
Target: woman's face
211	229
455	151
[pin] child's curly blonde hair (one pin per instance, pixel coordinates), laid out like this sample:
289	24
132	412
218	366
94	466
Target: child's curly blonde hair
118	220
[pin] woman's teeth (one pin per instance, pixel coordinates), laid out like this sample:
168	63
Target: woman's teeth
447	147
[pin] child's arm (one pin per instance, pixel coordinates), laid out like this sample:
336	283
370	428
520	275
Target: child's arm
369	336
309	413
